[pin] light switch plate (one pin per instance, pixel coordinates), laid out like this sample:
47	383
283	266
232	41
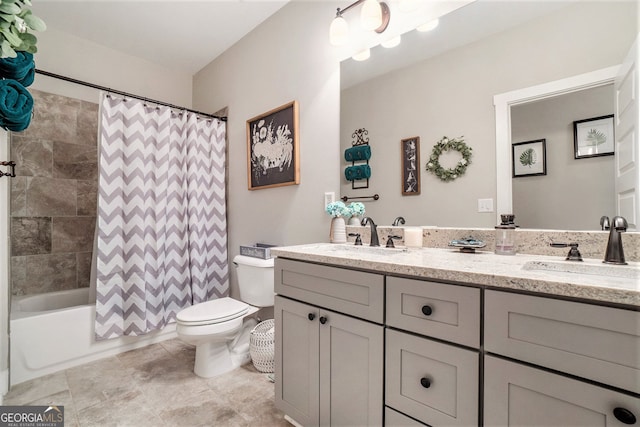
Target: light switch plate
329	197
485	205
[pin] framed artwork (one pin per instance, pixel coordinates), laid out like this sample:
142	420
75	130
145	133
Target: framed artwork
593	137
529	158
410	158
273	154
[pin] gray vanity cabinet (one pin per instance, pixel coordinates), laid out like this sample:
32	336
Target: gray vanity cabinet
598	344
329	365
431	381
520	395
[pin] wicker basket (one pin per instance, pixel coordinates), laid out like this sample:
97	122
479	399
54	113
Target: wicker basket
261	346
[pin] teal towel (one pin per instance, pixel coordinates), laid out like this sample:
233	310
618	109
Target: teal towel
16	106
357	153
354	173
21	68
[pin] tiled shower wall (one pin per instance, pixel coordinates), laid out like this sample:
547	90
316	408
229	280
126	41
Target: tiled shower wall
53	196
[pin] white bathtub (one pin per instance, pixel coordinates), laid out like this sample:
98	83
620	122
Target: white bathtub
55	331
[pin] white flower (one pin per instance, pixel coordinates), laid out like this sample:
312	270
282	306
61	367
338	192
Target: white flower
429	165
463	162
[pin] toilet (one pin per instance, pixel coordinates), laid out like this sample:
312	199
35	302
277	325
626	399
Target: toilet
220	328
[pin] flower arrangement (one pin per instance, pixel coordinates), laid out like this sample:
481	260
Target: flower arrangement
336	209
356	209
446	144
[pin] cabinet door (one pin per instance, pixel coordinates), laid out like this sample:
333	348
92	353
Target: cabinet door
519	395
297	360
351	371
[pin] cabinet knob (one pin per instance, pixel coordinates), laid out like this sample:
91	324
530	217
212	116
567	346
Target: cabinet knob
625	416
427	310
311	316
425	382
323	320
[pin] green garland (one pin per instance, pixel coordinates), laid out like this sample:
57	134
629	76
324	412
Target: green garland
446	144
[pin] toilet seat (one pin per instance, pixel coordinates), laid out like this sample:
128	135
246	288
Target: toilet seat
212	312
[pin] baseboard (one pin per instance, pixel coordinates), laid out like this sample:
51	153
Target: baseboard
4	384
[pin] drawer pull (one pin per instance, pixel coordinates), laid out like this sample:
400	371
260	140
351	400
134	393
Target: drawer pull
427	310
425	382
323	320
311	316
625	416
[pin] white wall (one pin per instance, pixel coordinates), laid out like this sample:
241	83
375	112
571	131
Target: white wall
70	56
574	193
287	58
452	95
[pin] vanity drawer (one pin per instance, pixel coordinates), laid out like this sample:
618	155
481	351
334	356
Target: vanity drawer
594	342
447	312
351	292
430	381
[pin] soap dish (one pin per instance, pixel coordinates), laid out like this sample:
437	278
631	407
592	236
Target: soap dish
467	245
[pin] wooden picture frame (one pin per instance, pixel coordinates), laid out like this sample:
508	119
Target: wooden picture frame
273	153
410	163
593	137
529	158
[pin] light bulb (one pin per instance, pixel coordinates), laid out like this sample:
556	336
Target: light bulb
371	15
428	26
392	42
338	31
362	56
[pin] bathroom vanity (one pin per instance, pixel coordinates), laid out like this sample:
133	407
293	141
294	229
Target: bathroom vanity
376	336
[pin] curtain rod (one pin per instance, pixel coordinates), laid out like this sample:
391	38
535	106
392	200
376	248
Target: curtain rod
126	94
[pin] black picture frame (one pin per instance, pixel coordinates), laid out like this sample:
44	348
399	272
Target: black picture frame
529	158
594	137
410	163
273	153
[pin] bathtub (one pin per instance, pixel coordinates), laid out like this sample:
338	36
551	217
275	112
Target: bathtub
55	331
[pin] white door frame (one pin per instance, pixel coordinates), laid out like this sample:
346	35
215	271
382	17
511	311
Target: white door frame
503	103
4	268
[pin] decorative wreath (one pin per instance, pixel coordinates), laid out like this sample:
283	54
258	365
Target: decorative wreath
446	144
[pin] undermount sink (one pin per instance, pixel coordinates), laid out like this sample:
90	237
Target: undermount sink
624	271
375	250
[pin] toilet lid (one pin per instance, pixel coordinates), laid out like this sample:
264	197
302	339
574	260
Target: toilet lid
214	311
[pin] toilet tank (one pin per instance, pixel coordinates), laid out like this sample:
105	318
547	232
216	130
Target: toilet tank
255	280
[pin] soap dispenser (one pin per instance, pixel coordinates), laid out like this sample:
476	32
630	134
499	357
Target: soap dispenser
506	236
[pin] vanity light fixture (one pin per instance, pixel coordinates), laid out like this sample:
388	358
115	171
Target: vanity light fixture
428	26
374	16
362	55
392	42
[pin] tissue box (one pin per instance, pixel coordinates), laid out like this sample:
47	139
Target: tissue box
259	250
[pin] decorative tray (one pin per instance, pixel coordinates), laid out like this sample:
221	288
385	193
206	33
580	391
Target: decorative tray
467	245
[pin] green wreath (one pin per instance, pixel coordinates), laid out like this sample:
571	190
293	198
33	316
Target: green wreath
446	144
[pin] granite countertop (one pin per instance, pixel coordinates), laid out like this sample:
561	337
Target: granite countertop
550	275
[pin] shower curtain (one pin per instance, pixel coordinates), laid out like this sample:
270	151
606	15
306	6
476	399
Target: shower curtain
162	242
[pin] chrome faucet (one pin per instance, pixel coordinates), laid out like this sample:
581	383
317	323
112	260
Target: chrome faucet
399	220
374	230
615	253
604	222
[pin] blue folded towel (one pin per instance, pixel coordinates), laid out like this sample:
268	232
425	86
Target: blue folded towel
21	68
16	106
357	153
354	173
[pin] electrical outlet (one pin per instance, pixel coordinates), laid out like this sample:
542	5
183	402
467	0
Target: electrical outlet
329	197
485	205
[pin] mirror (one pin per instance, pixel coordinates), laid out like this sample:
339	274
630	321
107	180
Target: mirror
454	96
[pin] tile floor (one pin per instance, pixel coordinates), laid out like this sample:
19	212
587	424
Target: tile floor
153	386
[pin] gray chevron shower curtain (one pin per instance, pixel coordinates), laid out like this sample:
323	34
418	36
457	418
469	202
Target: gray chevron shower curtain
162	232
